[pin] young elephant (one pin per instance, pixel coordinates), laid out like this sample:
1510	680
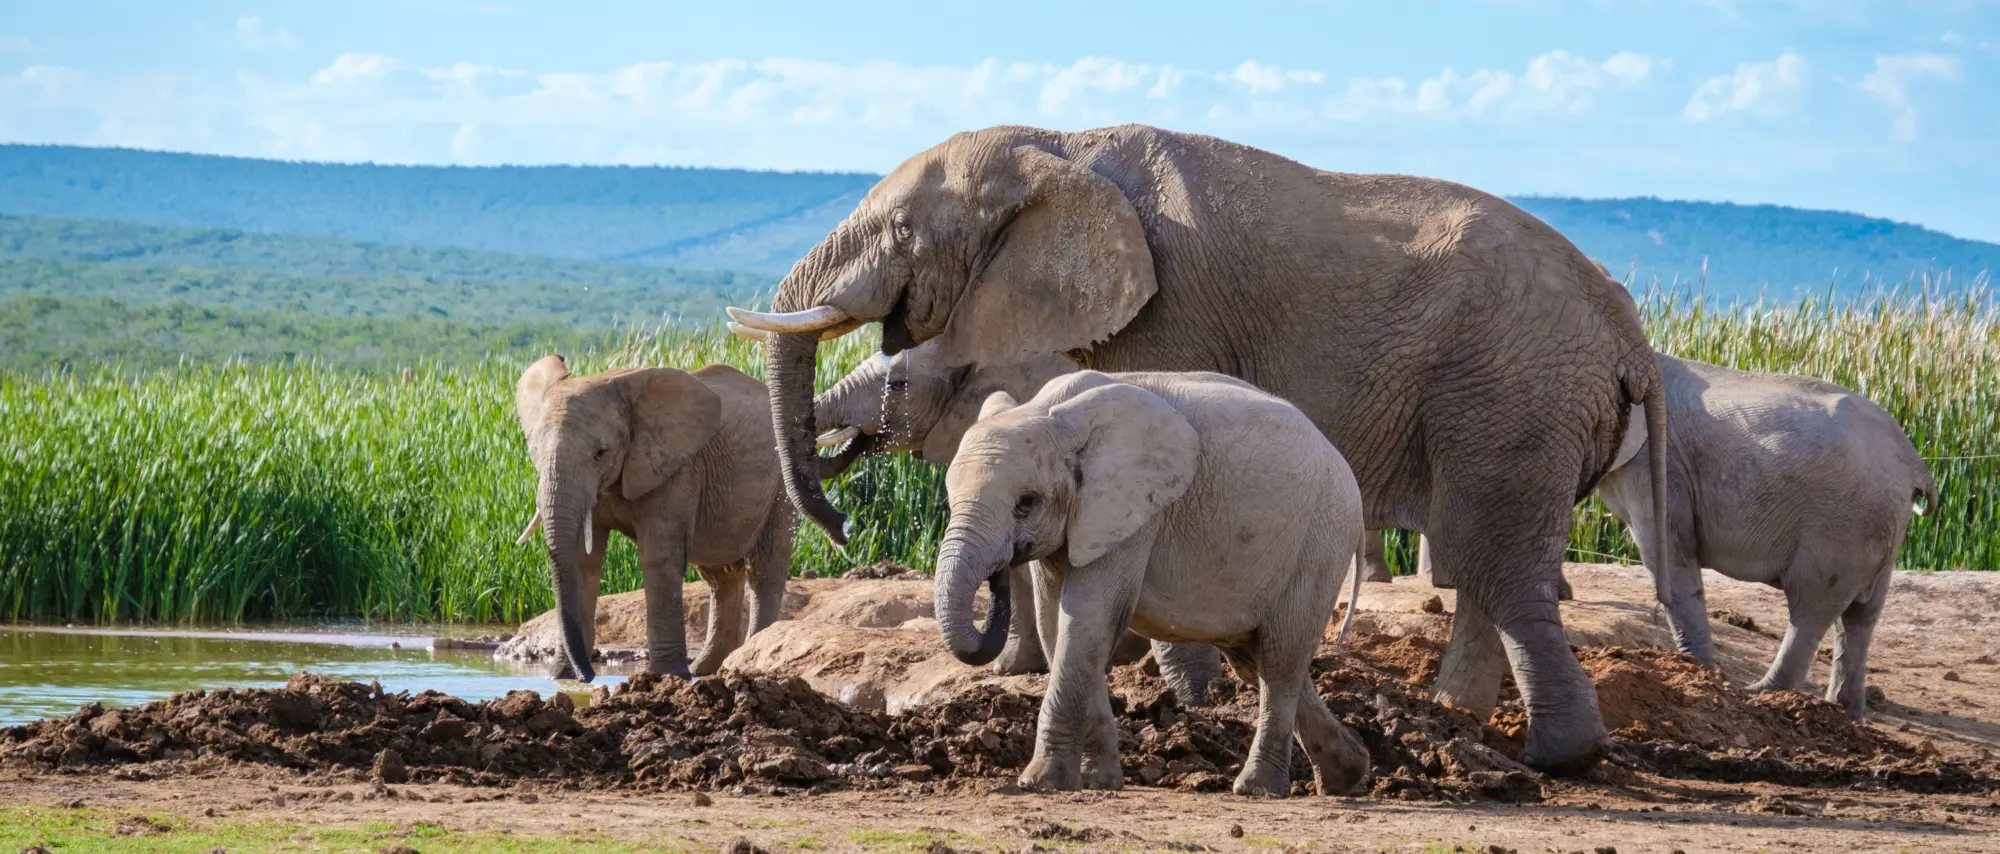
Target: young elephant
914	403
1190	506
1791	481
681	463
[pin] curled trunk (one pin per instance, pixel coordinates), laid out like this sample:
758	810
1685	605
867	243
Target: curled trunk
790	365
962	564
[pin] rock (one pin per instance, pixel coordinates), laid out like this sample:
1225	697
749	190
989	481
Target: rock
1236	831
703	800
1434	605
1952	676
389	767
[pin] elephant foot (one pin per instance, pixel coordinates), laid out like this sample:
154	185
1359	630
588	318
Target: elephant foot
1102	775
1767	684
1563	591
1339	760
706	666
1013	661
678	670
1564	746
1262	779
1043	775
1130	648
1379	574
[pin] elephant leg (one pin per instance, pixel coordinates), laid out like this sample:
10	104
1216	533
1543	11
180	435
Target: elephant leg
1849	685
1474	662
1023	652
1190	669
1267	769
1501	541
1131	648
1564	592
1373	557
590	583
1339	759
1094	607
771	567
1811	613
1428	568
1101	768
725	615
663	567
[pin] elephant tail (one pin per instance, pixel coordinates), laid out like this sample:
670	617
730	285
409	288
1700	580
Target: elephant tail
1925	491
1656	464
1353	592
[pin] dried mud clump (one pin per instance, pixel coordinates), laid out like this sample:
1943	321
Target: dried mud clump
1669	716
1672	716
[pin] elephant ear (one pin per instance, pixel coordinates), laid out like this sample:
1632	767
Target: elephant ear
1135	455
673	415
531	393
1068	268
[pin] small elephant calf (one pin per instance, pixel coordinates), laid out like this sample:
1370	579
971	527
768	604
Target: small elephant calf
1190	506
681	463
1791	481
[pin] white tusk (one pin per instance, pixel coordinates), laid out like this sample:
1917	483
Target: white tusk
814	319
746	332
589	533
529	532
836	437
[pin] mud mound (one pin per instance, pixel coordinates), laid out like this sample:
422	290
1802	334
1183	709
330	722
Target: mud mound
775	733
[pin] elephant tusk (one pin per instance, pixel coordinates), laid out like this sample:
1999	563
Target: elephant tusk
589	532
837	437
815	319
529	532
831	333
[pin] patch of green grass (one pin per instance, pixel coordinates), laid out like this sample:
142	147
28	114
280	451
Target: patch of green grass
99	832
917	840
242	492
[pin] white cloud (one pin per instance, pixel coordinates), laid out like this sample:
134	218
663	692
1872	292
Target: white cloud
1892	78
355	67
1760	88
750	112
253	34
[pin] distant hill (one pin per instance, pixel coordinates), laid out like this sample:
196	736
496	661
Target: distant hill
1748	247
608	213
763	221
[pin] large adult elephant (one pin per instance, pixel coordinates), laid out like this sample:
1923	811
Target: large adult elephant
1475	368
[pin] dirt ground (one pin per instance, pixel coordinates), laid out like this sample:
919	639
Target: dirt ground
919	751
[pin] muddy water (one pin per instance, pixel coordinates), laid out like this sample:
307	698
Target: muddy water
45	673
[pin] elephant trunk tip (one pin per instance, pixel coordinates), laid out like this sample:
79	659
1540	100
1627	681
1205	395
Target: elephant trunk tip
993	638
575	648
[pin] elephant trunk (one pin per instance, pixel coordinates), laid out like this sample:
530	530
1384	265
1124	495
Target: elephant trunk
965	560
860	446
790	363
565	509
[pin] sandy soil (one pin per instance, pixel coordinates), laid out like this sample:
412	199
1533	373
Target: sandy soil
872	644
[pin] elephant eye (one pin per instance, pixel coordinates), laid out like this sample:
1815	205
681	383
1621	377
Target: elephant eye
1026	505
601	451
903	232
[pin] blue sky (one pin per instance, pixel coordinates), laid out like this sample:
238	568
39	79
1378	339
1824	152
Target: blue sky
1885	108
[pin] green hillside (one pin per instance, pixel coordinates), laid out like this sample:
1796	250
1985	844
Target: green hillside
1749	247
220	248
763	221
600	212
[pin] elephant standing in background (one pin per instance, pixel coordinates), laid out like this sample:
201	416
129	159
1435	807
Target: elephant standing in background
1473	366
1191	507
1787	480
679	462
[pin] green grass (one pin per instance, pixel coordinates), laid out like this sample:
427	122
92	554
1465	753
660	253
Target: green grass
250	492
93	831
284	491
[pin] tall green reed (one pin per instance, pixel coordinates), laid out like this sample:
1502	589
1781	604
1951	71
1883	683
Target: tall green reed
245	492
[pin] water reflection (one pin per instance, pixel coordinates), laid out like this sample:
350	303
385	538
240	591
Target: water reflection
48	674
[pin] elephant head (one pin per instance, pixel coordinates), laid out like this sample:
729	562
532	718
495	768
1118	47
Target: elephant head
622	430
1075	472
913	403
994	241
